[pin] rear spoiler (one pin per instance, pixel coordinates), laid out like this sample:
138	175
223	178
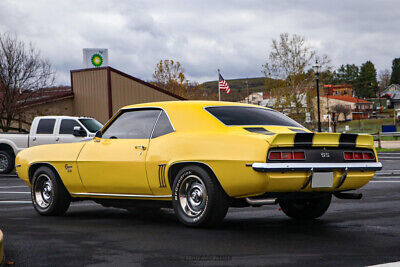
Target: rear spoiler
321	139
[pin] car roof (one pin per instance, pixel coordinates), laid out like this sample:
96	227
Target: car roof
190	115
190	103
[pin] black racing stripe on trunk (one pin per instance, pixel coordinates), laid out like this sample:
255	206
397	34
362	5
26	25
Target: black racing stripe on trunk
347	140
303	139
259	130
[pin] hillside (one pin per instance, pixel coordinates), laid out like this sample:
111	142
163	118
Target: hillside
209	90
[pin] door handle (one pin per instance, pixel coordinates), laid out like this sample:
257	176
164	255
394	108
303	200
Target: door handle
34	139
57	138
140	147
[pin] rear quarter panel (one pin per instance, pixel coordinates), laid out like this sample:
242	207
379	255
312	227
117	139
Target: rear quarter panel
57	155
226	154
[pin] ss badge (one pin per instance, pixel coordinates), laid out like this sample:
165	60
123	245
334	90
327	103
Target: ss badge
325	155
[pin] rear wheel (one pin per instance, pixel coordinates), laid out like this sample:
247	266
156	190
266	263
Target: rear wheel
6	162
49	196
198	199
306	209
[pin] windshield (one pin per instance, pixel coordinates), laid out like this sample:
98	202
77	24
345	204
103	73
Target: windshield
238	115
91	124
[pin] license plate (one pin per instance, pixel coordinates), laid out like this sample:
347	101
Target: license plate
322	179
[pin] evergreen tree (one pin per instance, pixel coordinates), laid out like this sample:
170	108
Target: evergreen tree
346	74
395	78
367	85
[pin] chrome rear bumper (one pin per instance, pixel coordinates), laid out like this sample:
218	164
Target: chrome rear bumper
298	166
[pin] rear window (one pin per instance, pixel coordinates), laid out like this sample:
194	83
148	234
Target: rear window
46	126
237	115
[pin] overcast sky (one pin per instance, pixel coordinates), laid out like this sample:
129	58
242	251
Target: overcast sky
203	35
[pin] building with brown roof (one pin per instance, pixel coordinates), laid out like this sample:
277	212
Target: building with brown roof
96	92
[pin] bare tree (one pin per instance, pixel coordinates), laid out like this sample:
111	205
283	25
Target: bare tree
384	79
169	75
22	72
341	109
289	62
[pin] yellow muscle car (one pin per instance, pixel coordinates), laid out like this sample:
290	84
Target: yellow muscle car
200	157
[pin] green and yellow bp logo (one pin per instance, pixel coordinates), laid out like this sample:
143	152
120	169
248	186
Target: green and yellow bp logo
97	60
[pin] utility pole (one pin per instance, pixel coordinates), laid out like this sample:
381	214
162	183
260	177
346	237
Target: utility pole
247	86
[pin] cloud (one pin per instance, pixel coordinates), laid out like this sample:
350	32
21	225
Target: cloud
234	36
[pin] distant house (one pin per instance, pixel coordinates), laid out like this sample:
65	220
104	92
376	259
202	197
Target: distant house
392	94
340	89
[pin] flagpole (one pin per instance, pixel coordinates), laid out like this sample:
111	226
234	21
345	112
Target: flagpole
219	91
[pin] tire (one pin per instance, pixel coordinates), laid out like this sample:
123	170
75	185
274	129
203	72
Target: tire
198	199
7	161
306	209
49	196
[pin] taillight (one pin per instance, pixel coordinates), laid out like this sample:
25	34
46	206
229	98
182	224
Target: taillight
348	155
286	155
275	155
299	155
358	156
368	155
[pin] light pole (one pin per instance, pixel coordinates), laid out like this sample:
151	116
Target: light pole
317	70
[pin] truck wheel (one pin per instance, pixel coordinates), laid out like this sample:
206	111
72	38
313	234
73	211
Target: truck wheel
49	196
198	199
6	162
306	209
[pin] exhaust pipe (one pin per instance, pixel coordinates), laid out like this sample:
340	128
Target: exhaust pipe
261	202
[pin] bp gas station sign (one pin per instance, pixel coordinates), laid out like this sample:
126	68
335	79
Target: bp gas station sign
95	57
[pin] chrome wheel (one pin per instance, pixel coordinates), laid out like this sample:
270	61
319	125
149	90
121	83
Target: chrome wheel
43	191
3	163
193	196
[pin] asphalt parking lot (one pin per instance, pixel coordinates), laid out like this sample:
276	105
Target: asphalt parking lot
352	232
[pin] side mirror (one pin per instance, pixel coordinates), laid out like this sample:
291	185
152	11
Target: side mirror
79	132
98	134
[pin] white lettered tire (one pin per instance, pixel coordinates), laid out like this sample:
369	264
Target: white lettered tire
197	197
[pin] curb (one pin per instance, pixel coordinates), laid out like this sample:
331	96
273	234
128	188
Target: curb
1	249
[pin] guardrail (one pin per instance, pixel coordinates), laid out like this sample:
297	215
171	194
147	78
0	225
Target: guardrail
380	135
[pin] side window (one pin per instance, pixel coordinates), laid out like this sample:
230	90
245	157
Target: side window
163	126
67	126
136	124
46	126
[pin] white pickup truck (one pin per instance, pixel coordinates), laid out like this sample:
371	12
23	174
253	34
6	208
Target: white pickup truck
45	130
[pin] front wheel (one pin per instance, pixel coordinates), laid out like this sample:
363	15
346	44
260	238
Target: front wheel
306	209
49	196
198	199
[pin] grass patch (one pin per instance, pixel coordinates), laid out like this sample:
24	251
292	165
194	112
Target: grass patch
387	149
364	126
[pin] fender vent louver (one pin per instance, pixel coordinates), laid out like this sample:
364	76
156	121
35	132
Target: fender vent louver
161	175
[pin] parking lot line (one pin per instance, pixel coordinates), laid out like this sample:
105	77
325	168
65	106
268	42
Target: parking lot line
14	192
16	186
15	201
385	181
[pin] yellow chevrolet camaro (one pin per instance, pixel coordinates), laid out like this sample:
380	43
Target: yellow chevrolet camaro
200	157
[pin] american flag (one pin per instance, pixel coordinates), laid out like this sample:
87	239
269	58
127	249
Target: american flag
223	85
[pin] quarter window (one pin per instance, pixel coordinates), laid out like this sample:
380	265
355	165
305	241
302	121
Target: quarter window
67	126
46	126
136	124
163	126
